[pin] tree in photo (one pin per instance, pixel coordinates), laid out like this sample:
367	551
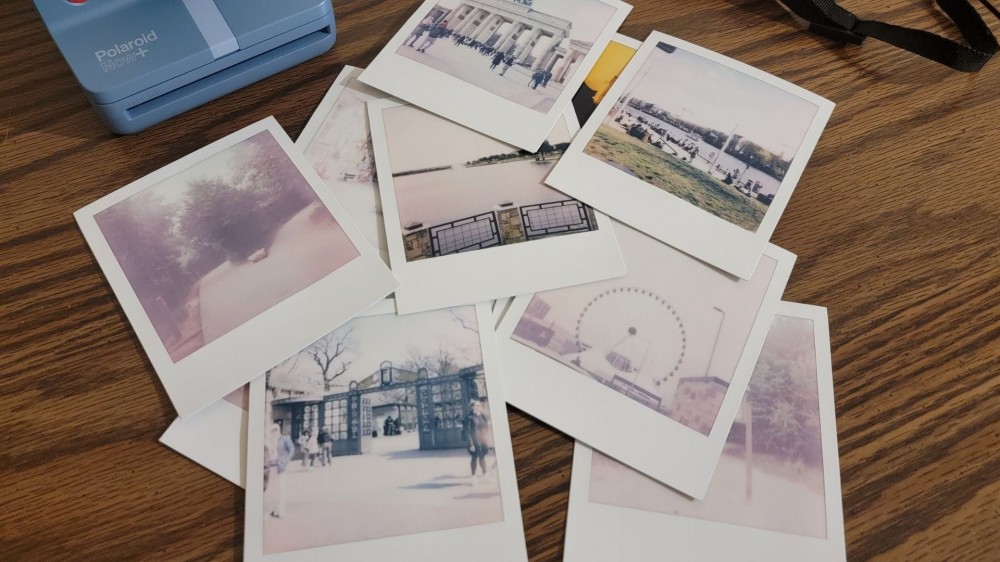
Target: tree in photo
441	362
231	219
784	397
142	234
327	351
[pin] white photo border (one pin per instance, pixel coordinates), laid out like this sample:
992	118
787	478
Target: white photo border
690	229
236	357
640	437
486	274
597	532
470	105
502	541
215	438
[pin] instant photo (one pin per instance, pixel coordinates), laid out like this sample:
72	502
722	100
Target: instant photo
604	73
715	145
468	213
655	361
215	437
338	143
384	438
229	259
507	68
775	494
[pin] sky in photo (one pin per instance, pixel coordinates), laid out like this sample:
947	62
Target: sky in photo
705	92
418	139
221	165
389	337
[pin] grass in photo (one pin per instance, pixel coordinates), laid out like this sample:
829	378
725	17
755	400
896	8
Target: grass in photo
713	136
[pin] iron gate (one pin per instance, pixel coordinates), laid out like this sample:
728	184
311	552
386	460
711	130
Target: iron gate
442	408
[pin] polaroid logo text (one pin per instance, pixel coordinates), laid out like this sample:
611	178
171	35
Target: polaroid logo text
125	53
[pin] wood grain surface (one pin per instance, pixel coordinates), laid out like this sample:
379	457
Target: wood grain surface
894	221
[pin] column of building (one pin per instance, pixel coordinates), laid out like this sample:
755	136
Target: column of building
546	62
487	27
506	40
464	10
470	22
525	47
559	73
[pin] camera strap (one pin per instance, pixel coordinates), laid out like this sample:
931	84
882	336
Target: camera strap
826	18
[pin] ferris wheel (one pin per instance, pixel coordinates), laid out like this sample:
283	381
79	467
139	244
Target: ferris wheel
631	333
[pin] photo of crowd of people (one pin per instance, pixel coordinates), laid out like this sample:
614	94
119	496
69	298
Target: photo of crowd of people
520	50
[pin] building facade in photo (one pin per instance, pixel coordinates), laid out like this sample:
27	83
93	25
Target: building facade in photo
516	28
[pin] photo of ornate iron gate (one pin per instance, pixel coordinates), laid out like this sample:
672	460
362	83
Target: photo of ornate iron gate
557	217
470	233
442	406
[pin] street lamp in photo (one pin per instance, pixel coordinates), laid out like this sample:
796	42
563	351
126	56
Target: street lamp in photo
718	154
715	344
385	373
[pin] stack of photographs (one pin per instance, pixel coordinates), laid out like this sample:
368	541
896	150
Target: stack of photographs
512	203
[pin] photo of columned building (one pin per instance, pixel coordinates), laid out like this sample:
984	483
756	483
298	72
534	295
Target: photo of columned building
525	51
515	28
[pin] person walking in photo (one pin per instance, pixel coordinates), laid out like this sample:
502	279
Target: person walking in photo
507	63
439	30
480	436
325	447
536	79
546	76
497	59
387	426
313	446
422	28
280	450
303	443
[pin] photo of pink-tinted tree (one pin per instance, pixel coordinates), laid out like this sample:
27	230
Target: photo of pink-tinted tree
770	475
213	246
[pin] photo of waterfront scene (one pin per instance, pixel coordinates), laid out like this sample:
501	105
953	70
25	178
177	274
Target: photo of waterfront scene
465	191
716	137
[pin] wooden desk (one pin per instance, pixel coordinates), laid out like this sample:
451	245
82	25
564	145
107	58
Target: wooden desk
895	224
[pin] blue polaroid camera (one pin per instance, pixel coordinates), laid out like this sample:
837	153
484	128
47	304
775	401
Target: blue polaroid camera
143	61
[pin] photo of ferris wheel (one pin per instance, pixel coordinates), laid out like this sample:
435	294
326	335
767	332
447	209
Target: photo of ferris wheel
668	335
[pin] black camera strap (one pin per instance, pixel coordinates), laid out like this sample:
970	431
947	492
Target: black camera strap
826	18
